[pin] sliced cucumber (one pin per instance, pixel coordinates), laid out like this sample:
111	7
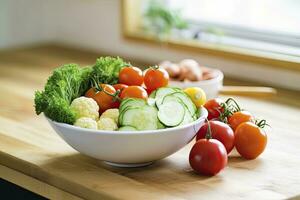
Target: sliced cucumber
171	113
162	92
187	118
142	118
160	125
187	101
127	128
132	102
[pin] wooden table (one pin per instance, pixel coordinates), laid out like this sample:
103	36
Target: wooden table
34	157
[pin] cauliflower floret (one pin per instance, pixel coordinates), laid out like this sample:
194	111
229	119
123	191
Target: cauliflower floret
85	122
111	113
107	124
85	107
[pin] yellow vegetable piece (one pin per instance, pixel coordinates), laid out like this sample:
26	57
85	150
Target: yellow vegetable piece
197	95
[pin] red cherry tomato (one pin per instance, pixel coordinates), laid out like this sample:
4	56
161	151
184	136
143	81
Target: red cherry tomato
155	78
134	92
208	156
103	99
131	76
250	140
120	86
239	117
214	108
219	131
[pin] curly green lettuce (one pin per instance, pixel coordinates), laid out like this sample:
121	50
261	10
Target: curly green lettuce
106	70
65	84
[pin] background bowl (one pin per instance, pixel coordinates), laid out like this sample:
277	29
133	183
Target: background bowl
211	87
126	148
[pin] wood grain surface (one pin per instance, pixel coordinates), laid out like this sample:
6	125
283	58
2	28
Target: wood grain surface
30	147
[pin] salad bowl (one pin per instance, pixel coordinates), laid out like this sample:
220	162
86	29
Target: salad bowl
128	148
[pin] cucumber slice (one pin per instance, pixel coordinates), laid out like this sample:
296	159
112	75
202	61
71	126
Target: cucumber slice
142	118
160	125
132	102
127	128
162	92
187	101
188	118
171	113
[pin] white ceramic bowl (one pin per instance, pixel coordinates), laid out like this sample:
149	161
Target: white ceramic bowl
211	87
128	149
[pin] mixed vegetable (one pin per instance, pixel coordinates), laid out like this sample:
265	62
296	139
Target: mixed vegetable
113	95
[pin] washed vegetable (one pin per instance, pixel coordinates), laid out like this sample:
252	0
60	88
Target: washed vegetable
65	84
127	128
197	95
107	124
208	156
219	131
106	70
85	107
120	87
111	113
86	122
104	95
131	76
134	92
156	77
250	140
238	118
214	108
141	118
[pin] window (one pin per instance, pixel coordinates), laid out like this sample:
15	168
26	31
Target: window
261	28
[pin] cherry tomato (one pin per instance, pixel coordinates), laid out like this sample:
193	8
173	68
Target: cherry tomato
120	86
239	117
155	78
135	92
103	99
208	156
131	76
214	108
250	140
219	131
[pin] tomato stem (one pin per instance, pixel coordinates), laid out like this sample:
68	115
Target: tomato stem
154	67
261	123
208	132
97	88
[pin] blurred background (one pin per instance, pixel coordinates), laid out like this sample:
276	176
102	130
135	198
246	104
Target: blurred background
251	40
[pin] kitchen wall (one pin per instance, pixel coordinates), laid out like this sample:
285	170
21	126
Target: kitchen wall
96	25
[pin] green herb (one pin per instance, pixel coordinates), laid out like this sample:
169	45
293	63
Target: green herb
65	84
106	70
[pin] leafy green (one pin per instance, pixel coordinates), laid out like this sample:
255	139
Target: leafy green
65	84
106	70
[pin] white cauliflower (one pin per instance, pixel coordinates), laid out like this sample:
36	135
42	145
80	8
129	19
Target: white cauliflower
85	107
111	113
107	124
85	122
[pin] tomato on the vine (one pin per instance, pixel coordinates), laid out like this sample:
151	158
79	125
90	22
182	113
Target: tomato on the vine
250	140
156	77
103	95
239	117
208	156
214	108
131	76
134	92
219	131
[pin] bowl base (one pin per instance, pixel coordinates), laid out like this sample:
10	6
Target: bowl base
128	164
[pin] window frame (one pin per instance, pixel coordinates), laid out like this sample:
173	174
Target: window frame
130	31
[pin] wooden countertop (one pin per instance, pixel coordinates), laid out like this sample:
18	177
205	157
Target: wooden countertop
34	157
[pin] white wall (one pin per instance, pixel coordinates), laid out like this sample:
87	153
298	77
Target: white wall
96	25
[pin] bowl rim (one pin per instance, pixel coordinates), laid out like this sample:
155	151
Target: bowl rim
204	114
219	77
